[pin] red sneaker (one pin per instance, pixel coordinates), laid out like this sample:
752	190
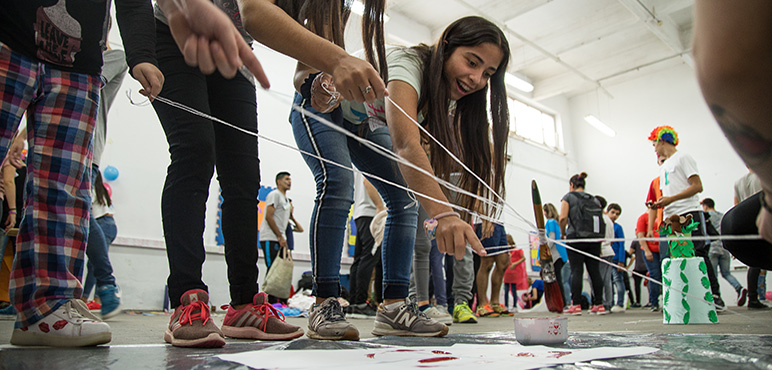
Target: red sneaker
598	310
575	310
191	324
259	320
93	306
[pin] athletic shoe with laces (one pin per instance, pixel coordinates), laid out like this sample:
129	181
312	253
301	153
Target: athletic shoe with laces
598	310
70	325
575	310
617	309
191	324
405	319
440	314
755	304
111	301
259	320
327	321
463	314
742	295
486	310
501	310
720	305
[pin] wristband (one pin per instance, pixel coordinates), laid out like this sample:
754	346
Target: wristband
11	212
764	203
430	225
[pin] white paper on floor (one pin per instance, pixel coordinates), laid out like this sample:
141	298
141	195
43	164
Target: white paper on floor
513	356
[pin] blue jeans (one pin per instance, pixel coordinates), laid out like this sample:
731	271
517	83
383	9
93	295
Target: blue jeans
109	231
565	273
722	259
437	269
335	195
619	284
100	271
655	272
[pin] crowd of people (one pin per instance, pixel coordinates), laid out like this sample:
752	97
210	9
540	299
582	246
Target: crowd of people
56	66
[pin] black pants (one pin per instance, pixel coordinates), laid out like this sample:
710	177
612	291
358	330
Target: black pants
198	145
578	262
637	283
364	262
741	220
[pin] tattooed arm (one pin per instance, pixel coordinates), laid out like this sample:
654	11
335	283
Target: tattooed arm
733	55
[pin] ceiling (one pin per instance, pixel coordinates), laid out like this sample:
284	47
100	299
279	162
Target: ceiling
573	46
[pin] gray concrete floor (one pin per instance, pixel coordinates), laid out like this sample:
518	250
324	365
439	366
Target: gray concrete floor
148	328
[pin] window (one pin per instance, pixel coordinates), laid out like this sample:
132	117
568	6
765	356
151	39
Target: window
533	124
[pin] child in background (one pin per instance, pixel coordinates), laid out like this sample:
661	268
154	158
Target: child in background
533	296
514	276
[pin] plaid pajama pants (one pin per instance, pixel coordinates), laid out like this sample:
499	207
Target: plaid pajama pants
61	108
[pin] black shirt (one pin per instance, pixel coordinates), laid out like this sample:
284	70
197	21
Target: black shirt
71	34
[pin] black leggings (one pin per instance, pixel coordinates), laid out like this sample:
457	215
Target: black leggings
637	284
198	145
578	262
741	220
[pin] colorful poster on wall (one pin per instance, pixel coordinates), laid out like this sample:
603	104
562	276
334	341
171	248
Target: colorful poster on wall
533	242
352	233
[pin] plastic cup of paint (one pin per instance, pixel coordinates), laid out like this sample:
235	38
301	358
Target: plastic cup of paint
541	330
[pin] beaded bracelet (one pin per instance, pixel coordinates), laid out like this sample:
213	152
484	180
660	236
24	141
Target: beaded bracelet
430	225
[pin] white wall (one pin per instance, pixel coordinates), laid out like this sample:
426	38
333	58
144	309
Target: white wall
621	168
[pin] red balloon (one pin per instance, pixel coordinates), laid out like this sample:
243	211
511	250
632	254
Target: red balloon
109	189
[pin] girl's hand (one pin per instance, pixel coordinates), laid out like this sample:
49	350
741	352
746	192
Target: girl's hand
10	222
324	95
358	81
649	256
151	79
453	234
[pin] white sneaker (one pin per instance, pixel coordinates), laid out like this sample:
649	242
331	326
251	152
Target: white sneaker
616	309
70	325
439	314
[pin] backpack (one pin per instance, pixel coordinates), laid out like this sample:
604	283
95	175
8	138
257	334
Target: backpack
587	220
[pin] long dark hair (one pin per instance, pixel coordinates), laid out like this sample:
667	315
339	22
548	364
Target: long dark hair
470	131
102	196
328	18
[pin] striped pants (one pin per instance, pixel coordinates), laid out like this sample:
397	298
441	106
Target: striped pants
61	109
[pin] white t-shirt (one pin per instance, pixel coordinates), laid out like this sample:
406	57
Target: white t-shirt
404	66
281	215
363	205
674	178
605	248
746	186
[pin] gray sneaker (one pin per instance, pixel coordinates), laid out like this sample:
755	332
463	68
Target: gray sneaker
407	320
328	322
439	314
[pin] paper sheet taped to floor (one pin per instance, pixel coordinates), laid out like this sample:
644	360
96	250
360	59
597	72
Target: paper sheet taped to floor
459	355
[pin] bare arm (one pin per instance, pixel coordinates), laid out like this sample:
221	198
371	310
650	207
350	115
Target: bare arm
652	212
272	224
695	187
9	176
452	233
563	218
271	26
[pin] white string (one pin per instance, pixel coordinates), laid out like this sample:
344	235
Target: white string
398	159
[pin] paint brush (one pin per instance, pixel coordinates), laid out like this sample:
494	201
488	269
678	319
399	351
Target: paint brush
552	295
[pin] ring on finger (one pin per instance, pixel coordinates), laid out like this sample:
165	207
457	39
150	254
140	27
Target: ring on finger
367	90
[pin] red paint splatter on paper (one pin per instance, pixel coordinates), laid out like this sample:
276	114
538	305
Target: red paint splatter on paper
525	354
371	355
438	359
559	354
440	352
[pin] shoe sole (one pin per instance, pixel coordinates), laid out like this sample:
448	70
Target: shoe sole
467	321
572	313
743	297
446	321
255	333
27	338
117	311
351	334
382	329
213	340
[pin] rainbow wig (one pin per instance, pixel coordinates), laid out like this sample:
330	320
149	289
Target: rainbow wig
664	133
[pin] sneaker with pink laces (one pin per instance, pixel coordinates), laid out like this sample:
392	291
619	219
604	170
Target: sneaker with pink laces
191	324
598	310
259	320
575	310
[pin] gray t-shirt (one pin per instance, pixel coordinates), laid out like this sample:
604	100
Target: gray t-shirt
113	73
281	215
746	186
